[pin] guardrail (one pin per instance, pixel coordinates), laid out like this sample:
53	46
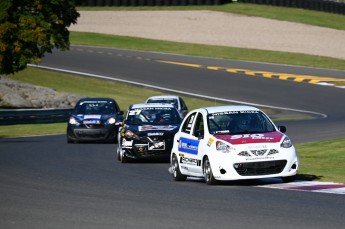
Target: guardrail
31	116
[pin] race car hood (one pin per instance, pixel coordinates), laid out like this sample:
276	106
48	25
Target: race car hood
271	137
93	118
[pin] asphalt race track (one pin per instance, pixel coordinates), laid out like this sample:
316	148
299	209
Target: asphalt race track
47	183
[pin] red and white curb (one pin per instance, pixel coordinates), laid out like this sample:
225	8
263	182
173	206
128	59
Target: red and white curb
309	186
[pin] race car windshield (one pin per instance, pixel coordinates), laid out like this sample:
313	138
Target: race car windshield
239	122
98	107
153	116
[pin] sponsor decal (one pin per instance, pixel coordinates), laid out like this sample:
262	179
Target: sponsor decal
91	121
190	161
234	112
259	158
257	147
141	149
95	102
271	137
126	144
150	127
210	141
137	111
156	145
155	134
188	146
92	116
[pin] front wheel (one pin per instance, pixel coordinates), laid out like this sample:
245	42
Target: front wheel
177	175
120	155
208	174
118	152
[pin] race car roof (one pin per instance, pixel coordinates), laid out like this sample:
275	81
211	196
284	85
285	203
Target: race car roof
96	99
145	105
163	97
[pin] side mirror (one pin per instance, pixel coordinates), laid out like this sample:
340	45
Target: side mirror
282	129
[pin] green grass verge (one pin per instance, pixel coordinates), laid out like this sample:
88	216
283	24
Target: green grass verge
24	130
322	160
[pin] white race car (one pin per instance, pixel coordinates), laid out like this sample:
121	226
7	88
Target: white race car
175	100
232	143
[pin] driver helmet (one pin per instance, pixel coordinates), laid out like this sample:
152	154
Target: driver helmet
243	122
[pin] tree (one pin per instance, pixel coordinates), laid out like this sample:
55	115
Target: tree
31	28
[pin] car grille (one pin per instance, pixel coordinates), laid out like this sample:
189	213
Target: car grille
258	152
92	126
168	138
260	168
141	145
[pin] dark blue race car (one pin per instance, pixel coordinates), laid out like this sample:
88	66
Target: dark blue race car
148	132
94	119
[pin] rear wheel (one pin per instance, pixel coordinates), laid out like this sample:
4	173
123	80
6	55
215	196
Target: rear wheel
208	174
177	175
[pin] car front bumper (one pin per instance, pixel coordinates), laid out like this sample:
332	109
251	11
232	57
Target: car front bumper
139	149
106	133
239	169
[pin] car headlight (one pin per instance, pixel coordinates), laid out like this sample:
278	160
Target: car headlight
286	143
224	148
111	121
72	121
130	134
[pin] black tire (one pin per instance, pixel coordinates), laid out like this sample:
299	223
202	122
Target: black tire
115	139
118	152
289	179
69	140
123	158
176	173
208	174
